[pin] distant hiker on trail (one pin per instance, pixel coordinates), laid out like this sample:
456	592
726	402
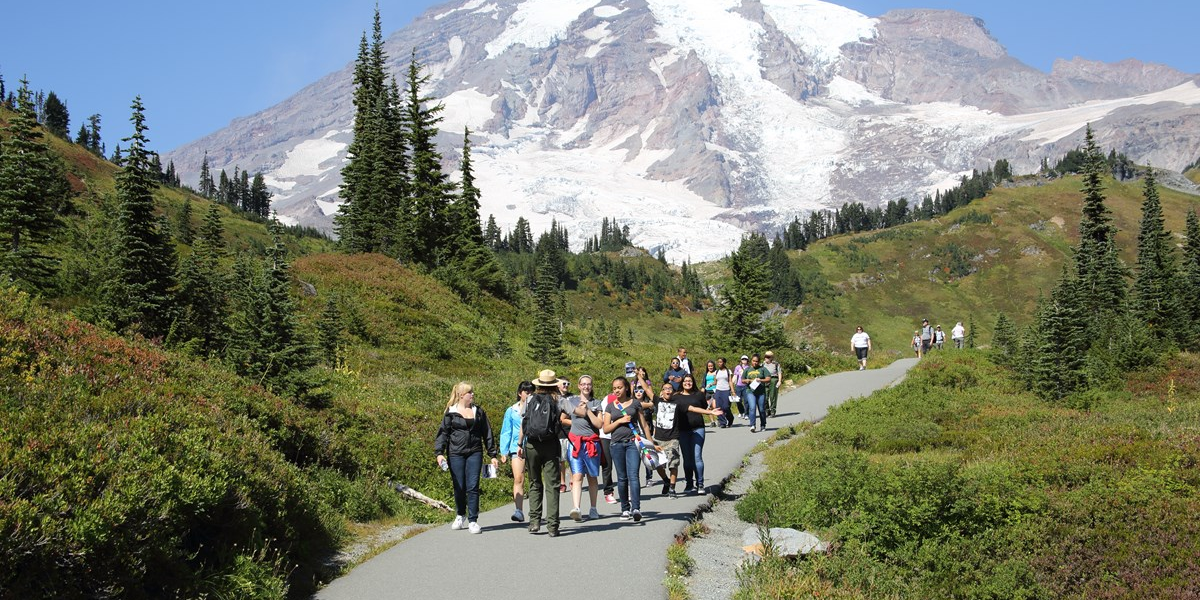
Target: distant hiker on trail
916	342
756	379
722	392
926	337
606	465
860	342
584	449
461	440
710	385
696	405
510	433
539	447
772	390
939	337
674	374
621	416
684	363
668	420
958	334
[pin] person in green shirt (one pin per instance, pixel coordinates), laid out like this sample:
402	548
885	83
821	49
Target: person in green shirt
756	379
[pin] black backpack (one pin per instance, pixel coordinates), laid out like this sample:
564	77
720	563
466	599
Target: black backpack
541	418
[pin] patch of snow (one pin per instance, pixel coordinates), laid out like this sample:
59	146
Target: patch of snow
306	157
538	24
288	220
602	36
328	208
466	108
819	28
607	12
853	93
490	8
278	183
473	4
1052	126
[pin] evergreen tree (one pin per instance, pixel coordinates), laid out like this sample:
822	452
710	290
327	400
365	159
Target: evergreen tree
1098	269
81	138
464	220
744	298
57	118
430	190
208	188
94	143
260	197
492	234
329	332
970	341
1190	282
266	344
1058	342
520	240
203	297
1156	286
183	223
546	346
786	289
33	189
138	294
1005	341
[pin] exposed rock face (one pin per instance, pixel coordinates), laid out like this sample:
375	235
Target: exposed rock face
692	120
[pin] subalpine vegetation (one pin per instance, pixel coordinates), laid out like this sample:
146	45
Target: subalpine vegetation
1060	463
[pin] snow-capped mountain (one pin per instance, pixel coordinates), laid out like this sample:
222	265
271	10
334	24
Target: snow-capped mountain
694	120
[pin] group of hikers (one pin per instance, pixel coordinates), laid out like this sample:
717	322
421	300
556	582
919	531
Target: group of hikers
927	338
657	426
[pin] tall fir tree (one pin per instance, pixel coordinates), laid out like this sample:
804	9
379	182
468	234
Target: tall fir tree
740	324
138	293
1190	282
57	118
430	190
33	189
203	297
464	221
260	197
208	188
184	232
1098	269
94	143
1058	342
546	345
1156	287
330	329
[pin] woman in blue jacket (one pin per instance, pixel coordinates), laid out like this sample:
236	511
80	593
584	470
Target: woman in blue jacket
510	433
461	440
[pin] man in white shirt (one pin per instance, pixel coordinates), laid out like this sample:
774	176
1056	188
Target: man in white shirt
861	343
684	363
957	334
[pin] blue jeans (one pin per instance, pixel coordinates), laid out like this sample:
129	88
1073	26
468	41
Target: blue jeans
721	397
692	446
628	462
755	404
464	472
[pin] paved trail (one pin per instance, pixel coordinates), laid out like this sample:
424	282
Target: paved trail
625	559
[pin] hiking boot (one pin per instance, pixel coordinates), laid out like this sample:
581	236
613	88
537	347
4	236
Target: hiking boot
553	531
534	526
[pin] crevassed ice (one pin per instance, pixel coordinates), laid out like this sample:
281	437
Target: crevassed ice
819	28
538	23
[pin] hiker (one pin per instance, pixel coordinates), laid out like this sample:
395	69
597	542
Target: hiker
621	416
583	450
926	337
564	391
772	390
916	342
674	374
667	423
538	445
739	388
710	386
721	393
695	405
510	432
756	379
684	363
939	337
606	465
461	440
958	334
860	342
645	404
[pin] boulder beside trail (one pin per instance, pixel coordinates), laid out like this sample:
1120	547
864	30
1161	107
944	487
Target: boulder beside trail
787	542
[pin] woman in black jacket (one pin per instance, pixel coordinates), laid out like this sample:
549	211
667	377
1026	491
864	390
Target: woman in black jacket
463	436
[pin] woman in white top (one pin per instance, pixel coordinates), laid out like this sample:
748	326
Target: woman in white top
957	334
721	393
861	343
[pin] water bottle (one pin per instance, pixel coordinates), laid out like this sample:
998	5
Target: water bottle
444	465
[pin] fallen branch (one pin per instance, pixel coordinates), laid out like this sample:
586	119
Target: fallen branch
419	497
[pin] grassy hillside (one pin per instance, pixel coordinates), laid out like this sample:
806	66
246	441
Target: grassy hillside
959	484
997	254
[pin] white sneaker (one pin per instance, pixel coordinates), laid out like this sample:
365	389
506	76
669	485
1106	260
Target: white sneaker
575	515
474	527
458	523
625	516
593	514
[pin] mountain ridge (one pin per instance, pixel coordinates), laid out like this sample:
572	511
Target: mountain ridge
720	116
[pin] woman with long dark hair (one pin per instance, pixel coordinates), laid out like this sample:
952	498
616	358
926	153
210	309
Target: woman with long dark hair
620	419
691	434
461	440
510	432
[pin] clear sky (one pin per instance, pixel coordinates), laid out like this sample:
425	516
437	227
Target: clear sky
198	65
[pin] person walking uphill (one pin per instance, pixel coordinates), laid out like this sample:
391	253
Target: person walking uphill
584	450
538	445
622	417
461	440
773	389
860	342
510	431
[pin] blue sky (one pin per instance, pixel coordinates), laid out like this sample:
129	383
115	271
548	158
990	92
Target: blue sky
198	65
